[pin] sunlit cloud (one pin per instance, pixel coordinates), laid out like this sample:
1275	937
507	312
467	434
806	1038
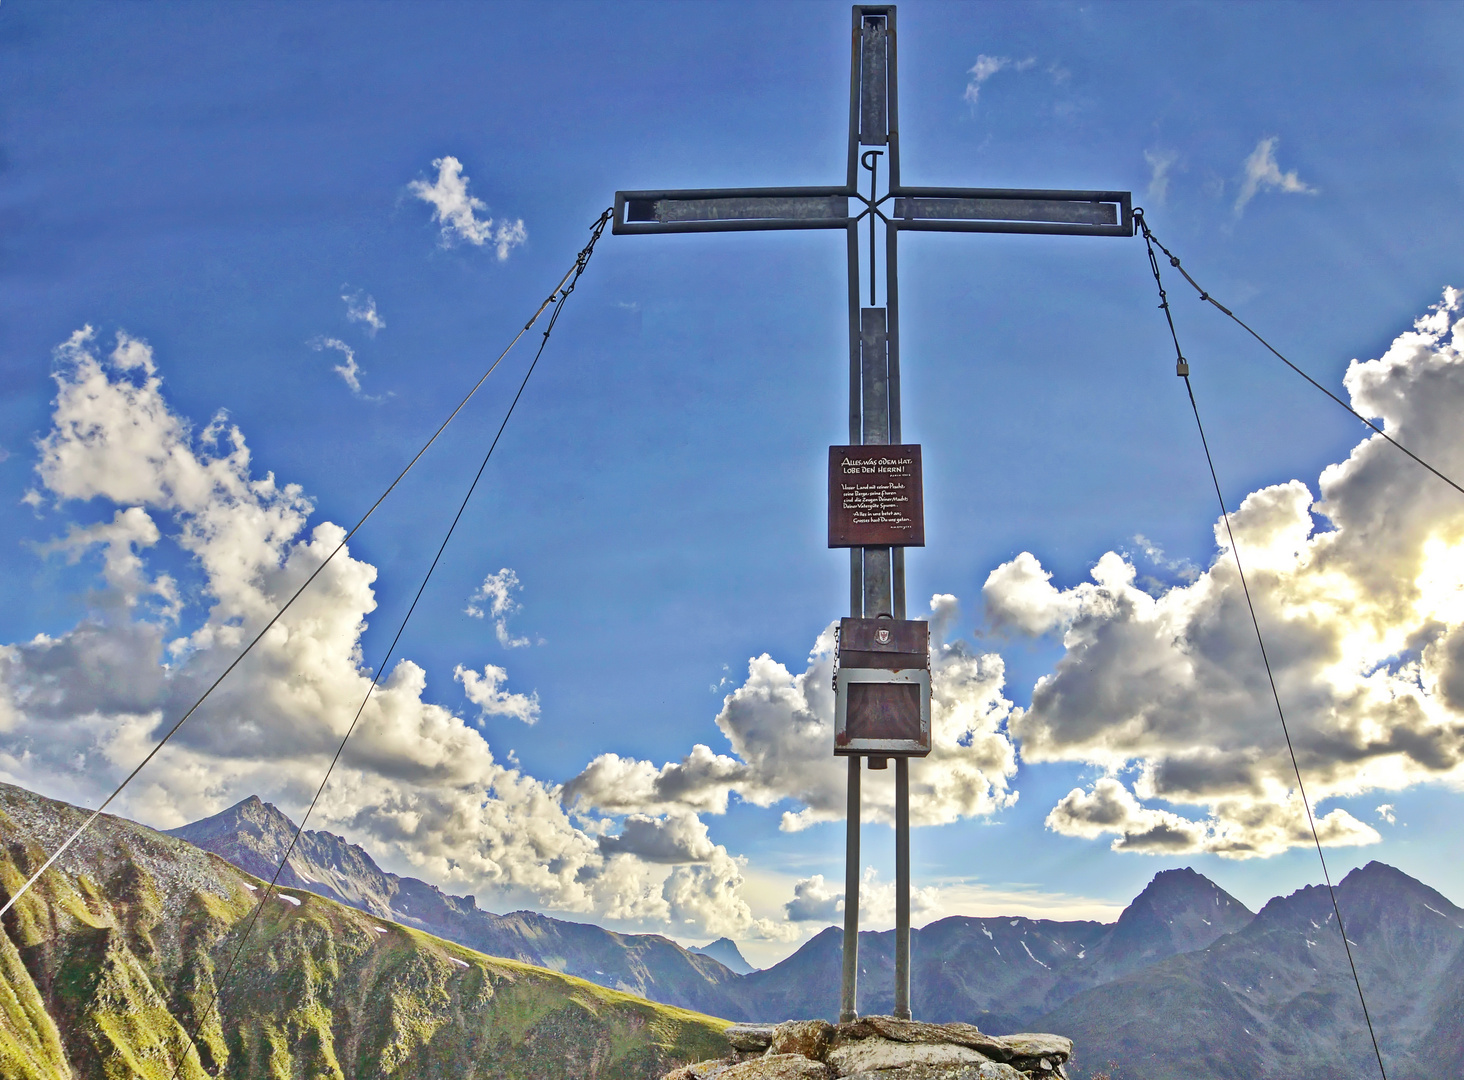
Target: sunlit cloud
457	211
1263	174
1363	614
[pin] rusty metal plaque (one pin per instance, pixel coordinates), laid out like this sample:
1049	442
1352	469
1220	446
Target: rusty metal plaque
876	497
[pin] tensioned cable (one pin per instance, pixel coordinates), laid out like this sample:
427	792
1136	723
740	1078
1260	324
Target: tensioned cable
574	271
581	261
1182	369
1150	238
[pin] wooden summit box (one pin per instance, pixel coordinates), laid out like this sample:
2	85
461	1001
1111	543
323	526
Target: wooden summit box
882	688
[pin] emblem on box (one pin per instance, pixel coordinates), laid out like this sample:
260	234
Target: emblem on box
882	688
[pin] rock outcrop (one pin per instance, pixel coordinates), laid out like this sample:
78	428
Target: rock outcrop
881	1048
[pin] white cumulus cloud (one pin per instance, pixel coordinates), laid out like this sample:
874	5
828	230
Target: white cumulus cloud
494	598
1263	174
347	369
417	784
1359	590
486	691
457	211
814	901
781	729
362	309
671	838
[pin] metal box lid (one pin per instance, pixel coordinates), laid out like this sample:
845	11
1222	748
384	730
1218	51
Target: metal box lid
891	644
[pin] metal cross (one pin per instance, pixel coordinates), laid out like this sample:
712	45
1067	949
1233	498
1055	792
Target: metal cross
876	575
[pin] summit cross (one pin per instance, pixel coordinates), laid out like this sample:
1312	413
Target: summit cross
876	573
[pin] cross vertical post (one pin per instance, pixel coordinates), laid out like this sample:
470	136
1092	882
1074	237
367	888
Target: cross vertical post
876	351
876	571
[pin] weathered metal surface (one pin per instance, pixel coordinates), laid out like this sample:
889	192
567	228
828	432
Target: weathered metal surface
1013	210
849	985
882	712
892	328
897	581
862	497
874	368
804	208
883	643
876	497
856	422
902	888
878	586
1062	210
731	209
873	86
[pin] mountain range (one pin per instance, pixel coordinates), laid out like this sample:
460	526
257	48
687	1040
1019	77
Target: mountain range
110	967
1187	983
1004	971
254	836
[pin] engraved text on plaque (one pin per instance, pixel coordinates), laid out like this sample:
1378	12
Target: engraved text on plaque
875	496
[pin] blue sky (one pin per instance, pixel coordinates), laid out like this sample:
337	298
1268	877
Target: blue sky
226	183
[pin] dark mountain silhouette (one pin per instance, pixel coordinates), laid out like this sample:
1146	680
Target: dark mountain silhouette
1002	973
1276	998
726	952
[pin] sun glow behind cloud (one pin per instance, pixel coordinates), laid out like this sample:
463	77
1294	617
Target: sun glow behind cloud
1366	632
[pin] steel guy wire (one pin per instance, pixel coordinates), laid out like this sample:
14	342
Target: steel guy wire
562	293
1182	369
1150	238
574	271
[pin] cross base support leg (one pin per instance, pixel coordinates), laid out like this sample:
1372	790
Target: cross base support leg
850	984
902	888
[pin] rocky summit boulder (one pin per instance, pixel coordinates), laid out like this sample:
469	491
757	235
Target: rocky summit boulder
766	1067
810	1038
881	1048
753	1038
877	1055
913	1031
985	1070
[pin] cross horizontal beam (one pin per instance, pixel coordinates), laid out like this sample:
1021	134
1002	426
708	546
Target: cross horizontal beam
985	210
731	209
1013	210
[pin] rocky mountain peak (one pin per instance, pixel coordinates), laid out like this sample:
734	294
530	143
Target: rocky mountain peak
253	815
1379	882
1179	911
724	950
254	835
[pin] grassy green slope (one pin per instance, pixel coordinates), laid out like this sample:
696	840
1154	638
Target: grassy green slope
113	957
